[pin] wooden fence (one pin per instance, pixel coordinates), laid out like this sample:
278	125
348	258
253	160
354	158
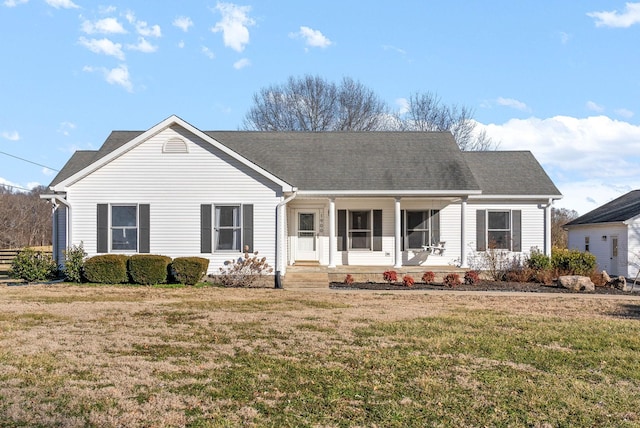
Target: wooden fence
7	256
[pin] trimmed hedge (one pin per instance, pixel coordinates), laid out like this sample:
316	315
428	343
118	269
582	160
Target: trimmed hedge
573	262
189	270
106	269
147	269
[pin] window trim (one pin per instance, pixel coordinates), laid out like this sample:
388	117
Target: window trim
238	228
488	230
369	230
587	240
430	213
111	228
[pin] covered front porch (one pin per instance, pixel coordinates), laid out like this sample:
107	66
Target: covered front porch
413	231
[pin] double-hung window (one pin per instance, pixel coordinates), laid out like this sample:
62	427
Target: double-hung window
499	229
418	231
228	227
360	230
124	227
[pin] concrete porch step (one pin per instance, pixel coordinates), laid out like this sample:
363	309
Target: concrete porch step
306	279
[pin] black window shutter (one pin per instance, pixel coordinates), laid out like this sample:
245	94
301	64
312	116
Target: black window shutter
516	230
403	233
247	227
144	231
377	230
205	228
103	228
435	227
342	230
481	232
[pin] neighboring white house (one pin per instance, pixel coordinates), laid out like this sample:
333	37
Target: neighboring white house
612	234
336	198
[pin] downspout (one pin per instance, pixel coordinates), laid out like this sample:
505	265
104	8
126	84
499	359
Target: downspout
279	236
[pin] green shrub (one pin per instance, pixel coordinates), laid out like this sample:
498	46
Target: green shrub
106	269
147	269
572	262
32	265
538	261
189	270
74	263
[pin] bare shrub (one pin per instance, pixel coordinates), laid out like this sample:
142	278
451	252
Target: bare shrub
244	271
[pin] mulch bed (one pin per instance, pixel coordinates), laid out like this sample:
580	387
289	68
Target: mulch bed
528	287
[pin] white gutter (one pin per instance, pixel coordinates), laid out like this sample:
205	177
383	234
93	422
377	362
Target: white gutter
280	238
387	193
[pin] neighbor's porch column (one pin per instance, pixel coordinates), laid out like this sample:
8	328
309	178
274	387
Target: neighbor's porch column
397	233
332	232
463	233
547	228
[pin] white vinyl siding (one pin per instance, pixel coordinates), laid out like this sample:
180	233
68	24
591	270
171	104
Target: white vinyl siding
175	186
600	246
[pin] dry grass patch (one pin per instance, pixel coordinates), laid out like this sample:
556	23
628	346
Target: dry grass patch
139	356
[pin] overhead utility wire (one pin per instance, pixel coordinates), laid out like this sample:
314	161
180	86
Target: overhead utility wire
15	187
26	160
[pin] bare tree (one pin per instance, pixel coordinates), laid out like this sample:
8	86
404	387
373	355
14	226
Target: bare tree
310	103
426	112
560	217
25	219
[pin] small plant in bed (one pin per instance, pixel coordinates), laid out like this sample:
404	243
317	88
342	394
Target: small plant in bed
348	280
471	277
428	277
452	280
390	276
408	281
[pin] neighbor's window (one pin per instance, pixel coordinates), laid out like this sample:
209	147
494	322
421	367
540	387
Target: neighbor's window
124	227
360	230
586	243
499	230
228	228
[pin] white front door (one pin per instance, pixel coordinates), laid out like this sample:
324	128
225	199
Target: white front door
614	256
307	234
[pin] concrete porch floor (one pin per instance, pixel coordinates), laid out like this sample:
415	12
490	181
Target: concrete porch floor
308	275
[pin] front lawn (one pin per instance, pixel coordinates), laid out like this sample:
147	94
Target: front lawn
138	356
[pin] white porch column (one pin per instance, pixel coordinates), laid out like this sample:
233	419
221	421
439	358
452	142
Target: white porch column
463	233
332	232
397	234
547	228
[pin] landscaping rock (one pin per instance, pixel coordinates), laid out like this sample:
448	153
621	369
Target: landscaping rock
577	283
619	283
605	277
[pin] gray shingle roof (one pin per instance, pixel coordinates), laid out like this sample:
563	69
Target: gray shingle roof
356	160
510	173
333	161
623	208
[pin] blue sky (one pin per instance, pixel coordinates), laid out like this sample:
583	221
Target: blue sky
561	79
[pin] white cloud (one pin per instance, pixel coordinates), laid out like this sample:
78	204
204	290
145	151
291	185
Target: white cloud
403	105
14	3
143	46
510	102
623	112
62	4
564	37
593	157
106	9
393	48
11	135
142	27
66	128
629	17
240	64
181	44
208	53
313	38
593	106
103	46
234	25
183	22
116	76
103	26
48	172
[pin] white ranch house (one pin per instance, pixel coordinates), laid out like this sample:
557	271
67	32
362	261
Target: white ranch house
332	198
611	232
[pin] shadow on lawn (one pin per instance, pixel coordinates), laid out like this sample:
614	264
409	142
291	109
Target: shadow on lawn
628	311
